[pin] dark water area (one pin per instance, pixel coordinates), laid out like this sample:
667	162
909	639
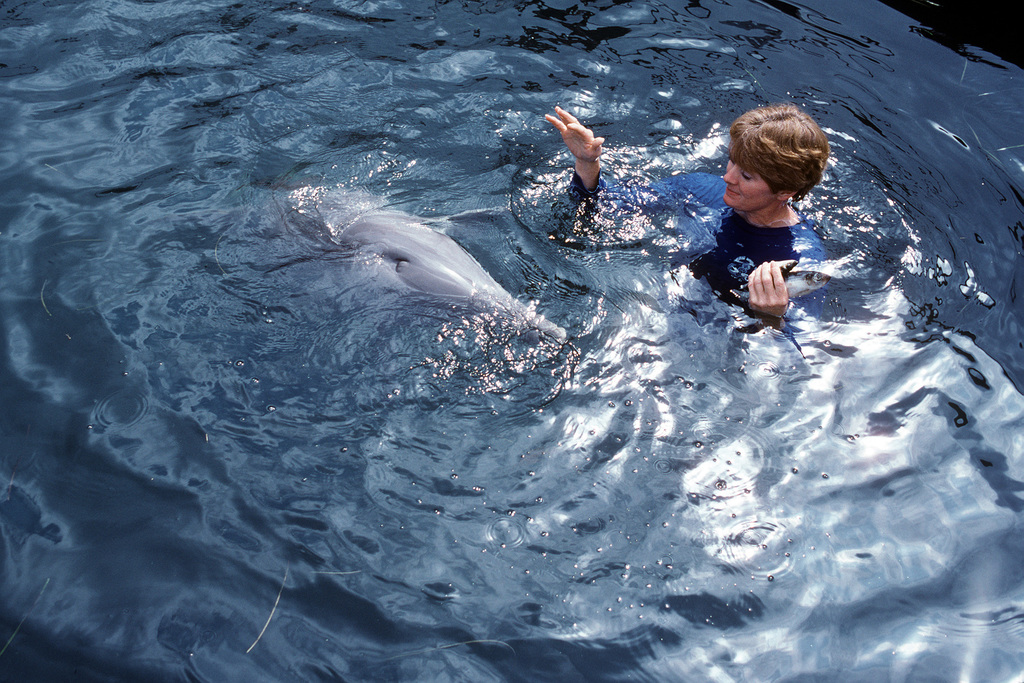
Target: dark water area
231	450
969	28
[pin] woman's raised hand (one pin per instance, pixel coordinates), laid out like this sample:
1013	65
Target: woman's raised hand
578	138
582	143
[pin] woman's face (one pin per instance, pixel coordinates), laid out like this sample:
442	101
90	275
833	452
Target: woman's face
748	192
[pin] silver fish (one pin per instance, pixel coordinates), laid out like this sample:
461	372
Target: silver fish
798	282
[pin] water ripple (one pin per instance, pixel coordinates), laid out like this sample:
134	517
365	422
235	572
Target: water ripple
123	408
506	532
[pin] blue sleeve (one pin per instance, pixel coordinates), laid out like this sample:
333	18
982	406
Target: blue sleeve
578	190
703	189
673	193
638	198
694	198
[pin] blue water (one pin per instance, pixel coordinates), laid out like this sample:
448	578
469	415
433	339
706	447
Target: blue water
228	452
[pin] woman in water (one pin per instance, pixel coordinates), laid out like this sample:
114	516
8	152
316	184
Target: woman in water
776	155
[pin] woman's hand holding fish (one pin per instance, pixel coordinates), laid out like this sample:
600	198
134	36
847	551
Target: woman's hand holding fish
767	288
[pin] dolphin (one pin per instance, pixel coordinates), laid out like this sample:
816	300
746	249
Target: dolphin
423	259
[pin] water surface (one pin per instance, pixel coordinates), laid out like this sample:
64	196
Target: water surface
230	453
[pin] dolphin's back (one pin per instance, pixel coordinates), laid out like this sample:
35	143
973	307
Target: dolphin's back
424	259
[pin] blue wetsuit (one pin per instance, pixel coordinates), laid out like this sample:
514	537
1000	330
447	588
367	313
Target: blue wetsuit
737	246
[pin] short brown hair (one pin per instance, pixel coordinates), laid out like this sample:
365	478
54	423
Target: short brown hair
781	144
